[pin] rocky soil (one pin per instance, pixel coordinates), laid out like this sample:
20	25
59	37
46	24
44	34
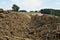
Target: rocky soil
29	26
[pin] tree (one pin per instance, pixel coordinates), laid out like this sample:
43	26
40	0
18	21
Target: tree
15	7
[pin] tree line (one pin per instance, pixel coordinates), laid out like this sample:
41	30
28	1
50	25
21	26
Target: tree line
50	11
43	11
16	8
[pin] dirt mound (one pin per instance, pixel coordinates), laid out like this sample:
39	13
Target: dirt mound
1	10
26	26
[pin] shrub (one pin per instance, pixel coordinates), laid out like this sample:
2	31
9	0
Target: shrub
31	11
22	11
36	11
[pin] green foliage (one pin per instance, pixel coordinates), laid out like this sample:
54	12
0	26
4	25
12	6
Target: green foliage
46	11
15	7
50	11
36	11
31	11
22	11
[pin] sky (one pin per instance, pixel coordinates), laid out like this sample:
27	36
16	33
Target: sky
30	5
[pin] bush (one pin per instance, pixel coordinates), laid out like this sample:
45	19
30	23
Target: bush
31	11
22	11
50	11
46	11
36	11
